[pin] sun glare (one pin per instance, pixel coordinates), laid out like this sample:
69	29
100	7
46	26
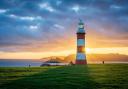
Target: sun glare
88	50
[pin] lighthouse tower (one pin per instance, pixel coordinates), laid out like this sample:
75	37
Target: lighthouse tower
81	57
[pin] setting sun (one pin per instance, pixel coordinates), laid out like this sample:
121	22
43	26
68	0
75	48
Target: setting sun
88	50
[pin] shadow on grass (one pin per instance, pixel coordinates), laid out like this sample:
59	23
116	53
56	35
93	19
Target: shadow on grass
65	77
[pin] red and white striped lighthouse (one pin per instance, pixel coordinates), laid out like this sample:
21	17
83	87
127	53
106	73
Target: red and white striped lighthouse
81	56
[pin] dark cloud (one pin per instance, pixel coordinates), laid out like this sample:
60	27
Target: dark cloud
27	22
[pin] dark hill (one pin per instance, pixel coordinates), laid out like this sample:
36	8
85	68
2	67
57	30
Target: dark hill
94	57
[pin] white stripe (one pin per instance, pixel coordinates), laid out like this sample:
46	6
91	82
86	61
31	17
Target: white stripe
80	42
81	56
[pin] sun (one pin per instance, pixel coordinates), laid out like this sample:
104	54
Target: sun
88	50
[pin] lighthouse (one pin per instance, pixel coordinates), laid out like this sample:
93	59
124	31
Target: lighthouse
81	54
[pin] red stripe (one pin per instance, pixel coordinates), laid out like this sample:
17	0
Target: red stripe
80	36
81	62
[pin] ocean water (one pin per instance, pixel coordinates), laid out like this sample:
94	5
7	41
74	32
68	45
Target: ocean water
26	63
18	63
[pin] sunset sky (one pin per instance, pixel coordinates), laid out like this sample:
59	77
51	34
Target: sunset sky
42	28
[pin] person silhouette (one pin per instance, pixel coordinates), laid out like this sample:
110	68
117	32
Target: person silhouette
29	65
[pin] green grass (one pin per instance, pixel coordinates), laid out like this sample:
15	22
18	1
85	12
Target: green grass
93	76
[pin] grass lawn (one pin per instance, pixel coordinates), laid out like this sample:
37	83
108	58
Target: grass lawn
92	76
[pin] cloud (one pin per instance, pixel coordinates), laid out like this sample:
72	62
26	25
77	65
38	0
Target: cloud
33	27
46	6
58	26
50	24
75	8
31	18
116	7
3	11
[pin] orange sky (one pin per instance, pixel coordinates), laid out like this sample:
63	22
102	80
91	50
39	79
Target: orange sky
67	45
64	46
38	55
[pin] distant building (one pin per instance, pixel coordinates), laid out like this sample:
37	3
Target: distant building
81	56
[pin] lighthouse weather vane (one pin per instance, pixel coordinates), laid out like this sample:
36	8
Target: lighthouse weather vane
81	54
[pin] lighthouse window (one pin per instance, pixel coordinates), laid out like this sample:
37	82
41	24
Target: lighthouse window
81	26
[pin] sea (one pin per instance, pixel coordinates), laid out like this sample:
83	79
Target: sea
19	62
37	62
